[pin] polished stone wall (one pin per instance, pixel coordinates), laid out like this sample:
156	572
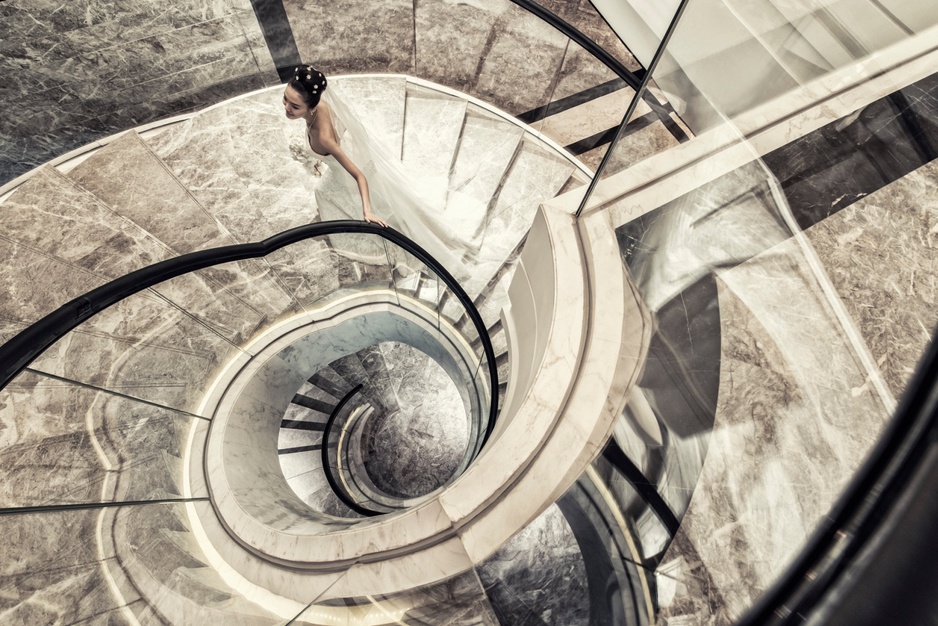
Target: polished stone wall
75	72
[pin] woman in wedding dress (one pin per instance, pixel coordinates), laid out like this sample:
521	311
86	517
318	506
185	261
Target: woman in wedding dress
302	100
337	137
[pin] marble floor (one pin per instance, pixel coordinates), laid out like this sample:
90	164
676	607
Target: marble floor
195	54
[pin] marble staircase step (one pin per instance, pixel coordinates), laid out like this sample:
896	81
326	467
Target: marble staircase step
504	367
324	499
296	439
433	122
82	232
51	456
487	146
143	347
163	562
134	182
534	177
380	384
330	382
77	228
313	405
35	284
493	331
245	164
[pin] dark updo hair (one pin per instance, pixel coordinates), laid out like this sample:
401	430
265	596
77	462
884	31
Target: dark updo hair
309	83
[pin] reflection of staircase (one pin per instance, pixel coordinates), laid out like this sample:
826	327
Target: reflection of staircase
103	415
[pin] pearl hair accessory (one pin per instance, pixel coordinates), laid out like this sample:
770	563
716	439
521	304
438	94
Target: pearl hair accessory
308	72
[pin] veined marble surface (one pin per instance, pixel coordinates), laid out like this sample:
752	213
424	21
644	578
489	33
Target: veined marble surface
167	356
143	347
155	59
458	601
56	574
881	254
62	443
795	418
152	549
539	576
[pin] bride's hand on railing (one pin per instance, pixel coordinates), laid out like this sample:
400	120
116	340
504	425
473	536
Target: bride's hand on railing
374	219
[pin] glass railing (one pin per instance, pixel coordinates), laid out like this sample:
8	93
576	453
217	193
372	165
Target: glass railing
148	346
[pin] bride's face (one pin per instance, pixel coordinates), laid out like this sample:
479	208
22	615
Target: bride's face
293	104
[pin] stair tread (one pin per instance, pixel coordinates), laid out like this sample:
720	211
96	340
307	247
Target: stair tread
432	125
246	164
535	176
378	101
78	229
116	349
47	284
132	180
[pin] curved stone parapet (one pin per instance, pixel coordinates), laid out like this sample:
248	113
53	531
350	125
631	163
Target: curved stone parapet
558	412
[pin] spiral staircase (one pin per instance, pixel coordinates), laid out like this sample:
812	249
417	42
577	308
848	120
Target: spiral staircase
106	432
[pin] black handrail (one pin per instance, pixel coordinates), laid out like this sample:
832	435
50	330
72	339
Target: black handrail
639	94
334	484
17	353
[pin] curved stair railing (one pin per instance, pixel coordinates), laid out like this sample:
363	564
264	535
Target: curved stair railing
19	352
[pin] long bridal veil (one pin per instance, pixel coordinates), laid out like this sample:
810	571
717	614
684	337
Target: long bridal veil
411	203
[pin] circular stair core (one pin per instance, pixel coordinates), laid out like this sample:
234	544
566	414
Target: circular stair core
392	413
418	410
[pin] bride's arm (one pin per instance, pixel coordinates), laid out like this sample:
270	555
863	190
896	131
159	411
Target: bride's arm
336	151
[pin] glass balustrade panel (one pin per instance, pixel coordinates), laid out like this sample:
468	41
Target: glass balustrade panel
68	443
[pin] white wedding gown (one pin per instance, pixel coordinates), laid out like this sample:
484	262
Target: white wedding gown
396	194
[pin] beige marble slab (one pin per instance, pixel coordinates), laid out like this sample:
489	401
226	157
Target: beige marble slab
246	164
881	254
527	49
128	177
34	284
64	444
77	228
143	347
72	587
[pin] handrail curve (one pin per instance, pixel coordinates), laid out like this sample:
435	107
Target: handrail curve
17	353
